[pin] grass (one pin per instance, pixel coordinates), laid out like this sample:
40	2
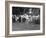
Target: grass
25	26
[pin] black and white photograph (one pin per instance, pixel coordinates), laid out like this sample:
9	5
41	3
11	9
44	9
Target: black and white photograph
25	18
